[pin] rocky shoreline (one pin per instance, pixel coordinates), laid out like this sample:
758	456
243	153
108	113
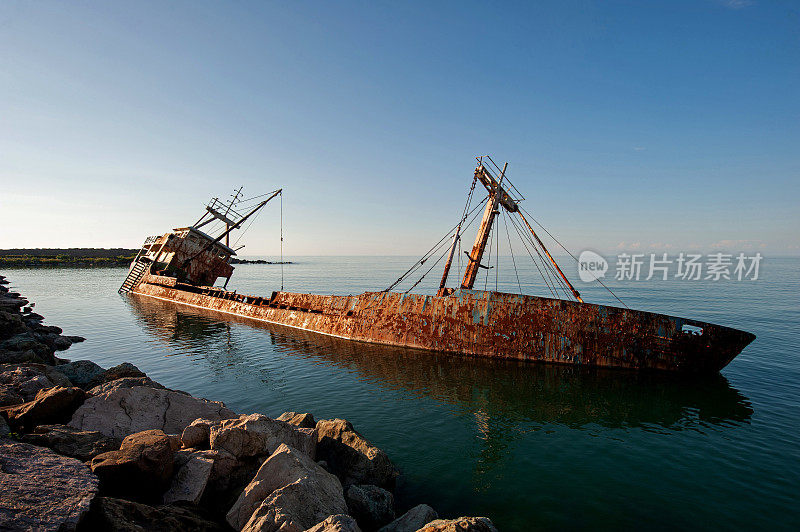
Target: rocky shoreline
88	448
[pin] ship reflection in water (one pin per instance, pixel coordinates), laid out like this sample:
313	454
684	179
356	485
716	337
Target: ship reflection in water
499	393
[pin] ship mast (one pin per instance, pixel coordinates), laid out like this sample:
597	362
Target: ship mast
498	196
495	188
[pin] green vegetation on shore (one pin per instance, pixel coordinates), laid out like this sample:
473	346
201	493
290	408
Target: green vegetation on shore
60	258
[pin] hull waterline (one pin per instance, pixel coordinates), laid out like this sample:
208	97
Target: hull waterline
481	323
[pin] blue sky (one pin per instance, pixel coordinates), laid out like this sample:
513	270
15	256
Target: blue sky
644	125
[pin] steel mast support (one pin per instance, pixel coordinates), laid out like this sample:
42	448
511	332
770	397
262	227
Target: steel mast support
495	193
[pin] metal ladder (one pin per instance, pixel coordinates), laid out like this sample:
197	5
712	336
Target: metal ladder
134	276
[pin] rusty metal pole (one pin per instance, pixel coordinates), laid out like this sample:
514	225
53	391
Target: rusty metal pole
449	262
483	235
574	292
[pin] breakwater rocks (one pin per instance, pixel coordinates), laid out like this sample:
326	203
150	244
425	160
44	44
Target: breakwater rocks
88	448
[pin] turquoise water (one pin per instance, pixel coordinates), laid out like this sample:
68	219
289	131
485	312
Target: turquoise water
531	446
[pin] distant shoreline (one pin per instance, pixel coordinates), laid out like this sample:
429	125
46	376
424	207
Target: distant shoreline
82	258
66	257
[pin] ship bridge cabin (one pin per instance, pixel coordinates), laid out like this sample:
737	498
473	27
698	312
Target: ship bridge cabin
189	255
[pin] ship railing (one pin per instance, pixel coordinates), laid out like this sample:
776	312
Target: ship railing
226	209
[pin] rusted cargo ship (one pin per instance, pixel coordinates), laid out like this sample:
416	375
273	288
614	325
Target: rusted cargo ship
183	266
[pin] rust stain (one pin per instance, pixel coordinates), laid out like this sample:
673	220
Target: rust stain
482	323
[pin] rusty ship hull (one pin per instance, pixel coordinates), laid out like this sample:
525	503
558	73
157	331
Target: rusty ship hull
184	265
483	323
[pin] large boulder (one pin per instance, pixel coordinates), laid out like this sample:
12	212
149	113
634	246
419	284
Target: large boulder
229	476
305	420
129	410
69	441
372	506
141	469
197	434
24	357
9	396
27	379
256	434
120	515
412	520
190	480
54	405
290	492
462	524
124	382
11	323
124	370
351	456
81	372
40	490
336	523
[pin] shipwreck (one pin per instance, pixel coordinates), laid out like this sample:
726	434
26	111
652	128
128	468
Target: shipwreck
185	265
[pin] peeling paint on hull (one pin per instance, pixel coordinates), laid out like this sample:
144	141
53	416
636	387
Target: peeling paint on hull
489	324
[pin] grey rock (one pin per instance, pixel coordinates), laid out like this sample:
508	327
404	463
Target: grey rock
11	323
256	434
27	379
72	442
229	476
290	492
81	372
197	434
461	524
27	341
4	430
351	456
336	523
126	369
129	410
305	421
120	515
24	357
372	506
124	382
190	481
53	405
412	520
9	396
140	469
40	490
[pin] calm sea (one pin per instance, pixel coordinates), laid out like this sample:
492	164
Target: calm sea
531	446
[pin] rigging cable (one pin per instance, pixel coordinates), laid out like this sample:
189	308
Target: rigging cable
497	261
555	279
431	251
573	256
535	263
511	249
474	217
